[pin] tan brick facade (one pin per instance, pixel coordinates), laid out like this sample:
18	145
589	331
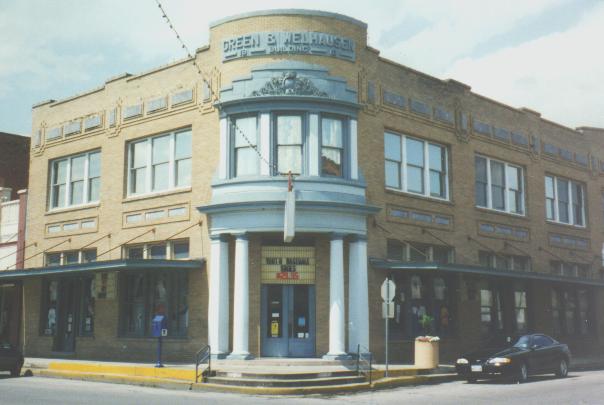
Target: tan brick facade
372	77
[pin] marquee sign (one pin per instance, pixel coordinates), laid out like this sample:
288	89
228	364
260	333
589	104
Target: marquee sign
288	265
298	42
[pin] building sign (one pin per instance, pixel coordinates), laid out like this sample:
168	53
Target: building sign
288	265
299	42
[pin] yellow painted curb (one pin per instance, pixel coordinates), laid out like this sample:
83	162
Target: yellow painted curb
116	378
134	371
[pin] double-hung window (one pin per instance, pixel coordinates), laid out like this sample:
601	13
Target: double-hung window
245	140
564	201
332	147
499	185
75	180
159	163
289	144
415	166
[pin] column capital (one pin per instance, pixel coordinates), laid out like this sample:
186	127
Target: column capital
337	236
219	237
241	235
358	238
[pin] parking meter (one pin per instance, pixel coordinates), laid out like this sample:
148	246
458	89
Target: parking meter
159	328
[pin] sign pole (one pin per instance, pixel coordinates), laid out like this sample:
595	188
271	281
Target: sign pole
387	319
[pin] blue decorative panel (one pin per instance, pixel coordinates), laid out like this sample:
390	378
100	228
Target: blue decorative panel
502	134
132	111
419	107
182	97
74	127
550	149
394	100
581	159
444	115
482	128
371	92
566	154
157	104
94	121
519	139
112	117
53	133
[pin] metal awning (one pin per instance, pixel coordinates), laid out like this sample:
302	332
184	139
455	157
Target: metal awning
384	264
106	265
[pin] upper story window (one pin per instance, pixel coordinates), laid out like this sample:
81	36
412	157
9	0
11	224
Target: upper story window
564	201
159	163
499	185
332	146
307	144
416	166
245	140
289	144
75	180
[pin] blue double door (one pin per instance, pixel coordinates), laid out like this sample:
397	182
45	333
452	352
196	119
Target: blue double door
288	320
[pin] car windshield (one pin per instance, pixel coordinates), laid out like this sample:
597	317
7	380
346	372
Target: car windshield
523	342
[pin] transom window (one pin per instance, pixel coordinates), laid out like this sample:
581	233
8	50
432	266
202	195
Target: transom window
504	262
499	185
174	249
75	180
564	201
159	163
416	166
418	252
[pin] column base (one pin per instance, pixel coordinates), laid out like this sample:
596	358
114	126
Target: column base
218	356
339	356
239	356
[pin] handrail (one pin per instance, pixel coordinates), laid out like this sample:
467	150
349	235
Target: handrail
205	353
364	362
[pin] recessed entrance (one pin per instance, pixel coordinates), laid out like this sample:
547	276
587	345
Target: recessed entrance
288	320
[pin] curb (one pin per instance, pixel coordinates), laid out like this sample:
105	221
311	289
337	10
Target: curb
147	381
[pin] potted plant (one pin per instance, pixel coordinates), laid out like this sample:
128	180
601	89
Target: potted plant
426	346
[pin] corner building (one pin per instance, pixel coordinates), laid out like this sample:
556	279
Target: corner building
163	193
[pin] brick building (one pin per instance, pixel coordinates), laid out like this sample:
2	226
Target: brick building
163	193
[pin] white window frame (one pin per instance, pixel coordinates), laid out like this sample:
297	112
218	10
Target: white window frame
571	211
86	179
506	190
149	164
426	168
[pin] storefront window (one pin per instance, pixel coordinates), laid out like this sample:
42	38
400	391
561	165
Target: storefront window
491	311
87	307
555	301
145	295
520	311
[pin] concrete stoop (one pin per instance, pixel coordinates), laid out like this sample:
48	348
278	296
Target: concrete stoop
285	381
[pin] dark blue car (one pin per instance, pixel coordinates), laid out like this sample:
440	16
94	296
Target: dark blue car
530	354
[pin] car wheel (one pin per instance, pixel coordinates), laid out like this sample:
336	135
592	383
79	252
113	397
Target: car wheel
562	370
522	373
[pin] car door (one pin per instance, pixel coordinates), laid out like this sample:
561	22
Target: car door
542	352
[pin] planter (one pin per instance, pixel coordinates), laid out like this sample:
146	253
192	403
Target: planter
426	353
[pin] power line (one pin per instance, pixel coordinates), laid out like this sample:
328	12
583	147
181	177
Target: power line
184	46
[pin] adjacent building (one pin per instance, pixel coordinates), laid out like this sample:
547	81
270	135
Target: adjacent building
164	193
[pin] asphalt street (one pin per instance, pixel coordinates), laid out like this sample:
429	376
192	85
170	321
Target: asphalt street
578	388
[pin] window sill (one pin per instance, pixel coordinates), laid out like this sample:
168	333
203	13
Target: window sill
73	208
567	226
504	213
395	191
148	196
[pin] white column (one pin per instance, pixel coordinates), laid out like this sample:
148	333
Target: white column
223	160
337	337
265	143
241	300
354	160
358	295
313	145
218	305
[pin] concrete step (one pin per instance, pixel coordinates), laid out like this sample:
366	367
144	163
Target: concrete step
284	362
283	375
287	382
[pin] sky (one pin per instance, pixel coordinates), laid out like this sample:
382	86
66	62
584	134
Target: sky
542	54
